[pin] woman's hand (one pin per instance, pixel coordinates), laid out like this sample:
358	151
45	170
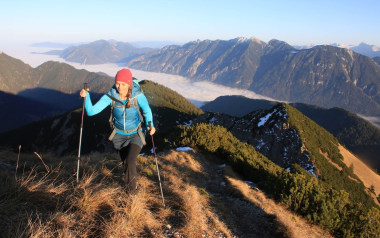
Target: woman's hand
83	93
152	130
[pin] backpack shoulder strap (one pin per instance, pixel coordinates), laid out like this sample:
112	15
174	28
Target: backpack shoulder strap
135	105
114	99
111	115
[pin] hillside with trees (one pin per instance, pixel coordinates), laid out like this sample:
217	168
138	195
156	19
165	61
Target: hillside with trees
352	131
59	134
330	207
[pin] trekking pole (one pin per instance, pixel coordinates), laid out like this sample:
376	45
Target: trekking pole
80	135
158	171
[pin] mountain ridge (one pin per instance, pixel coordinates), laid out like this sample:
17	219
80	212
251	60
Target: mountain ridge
323	75
327	82
358	135
285	136
362	48
16	76
102	51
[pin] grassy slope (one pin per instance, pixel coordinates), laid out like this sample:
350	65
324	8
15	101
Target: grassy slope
321	144
368	176
161	96
197	202
322	200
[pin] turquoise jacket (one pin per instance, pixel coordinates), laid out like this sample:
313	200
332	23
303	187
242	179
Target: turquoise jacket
123	118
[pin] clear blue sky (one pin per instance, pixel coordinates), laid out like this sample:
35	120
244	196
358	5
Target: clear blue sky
299	22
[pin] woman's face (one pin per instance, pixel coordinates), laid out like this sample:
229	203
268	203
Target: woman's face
122	88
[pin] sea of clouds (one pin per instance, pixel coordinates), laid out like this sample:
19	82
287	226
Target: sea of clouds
197	92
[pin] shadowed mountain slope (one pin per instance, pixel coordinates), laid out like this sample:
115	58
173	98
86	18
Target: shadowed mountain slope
17	111
61	133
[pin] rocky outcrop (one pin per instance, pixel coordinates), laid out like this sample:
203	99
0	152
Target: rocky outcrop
268	131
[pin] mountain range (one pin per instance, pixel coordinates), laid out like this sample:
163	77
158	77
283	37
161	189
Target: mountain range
323	75
57	85
377	60
100	52
363	48
279	148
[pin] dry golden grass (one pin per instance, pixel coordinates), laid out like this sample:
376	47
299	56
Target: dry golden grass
42	199
364	172
330	161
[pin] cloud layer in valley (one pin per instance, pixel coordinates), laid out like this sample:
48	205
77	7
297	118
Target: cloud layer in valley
197	92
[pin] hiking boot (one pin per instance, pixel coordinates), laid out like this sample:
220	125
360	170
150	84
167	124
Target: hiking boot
130	191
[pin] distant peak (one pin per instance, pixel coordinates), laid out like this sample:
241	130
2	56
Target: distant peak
256	40
245	39
363	44
241	39
275	41
112	41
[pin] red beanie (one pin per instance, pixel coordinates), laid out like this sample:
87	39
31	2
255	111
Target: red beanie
124	75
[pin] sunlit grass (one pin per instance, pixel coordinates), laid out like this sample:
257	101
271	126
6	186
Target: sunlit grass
43	199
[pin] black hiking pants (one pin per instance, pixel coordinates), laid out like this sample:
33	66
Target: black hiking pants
128	155
129	147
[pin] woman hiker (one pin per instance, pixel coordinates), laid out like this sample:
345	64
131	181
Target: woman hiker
125	99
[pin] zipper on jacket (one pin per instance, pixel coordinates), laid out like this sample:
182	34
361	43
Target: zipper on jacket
124	117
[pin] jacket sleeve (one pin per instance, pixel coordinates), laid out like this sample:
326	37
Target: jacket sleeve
91	110
144	105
